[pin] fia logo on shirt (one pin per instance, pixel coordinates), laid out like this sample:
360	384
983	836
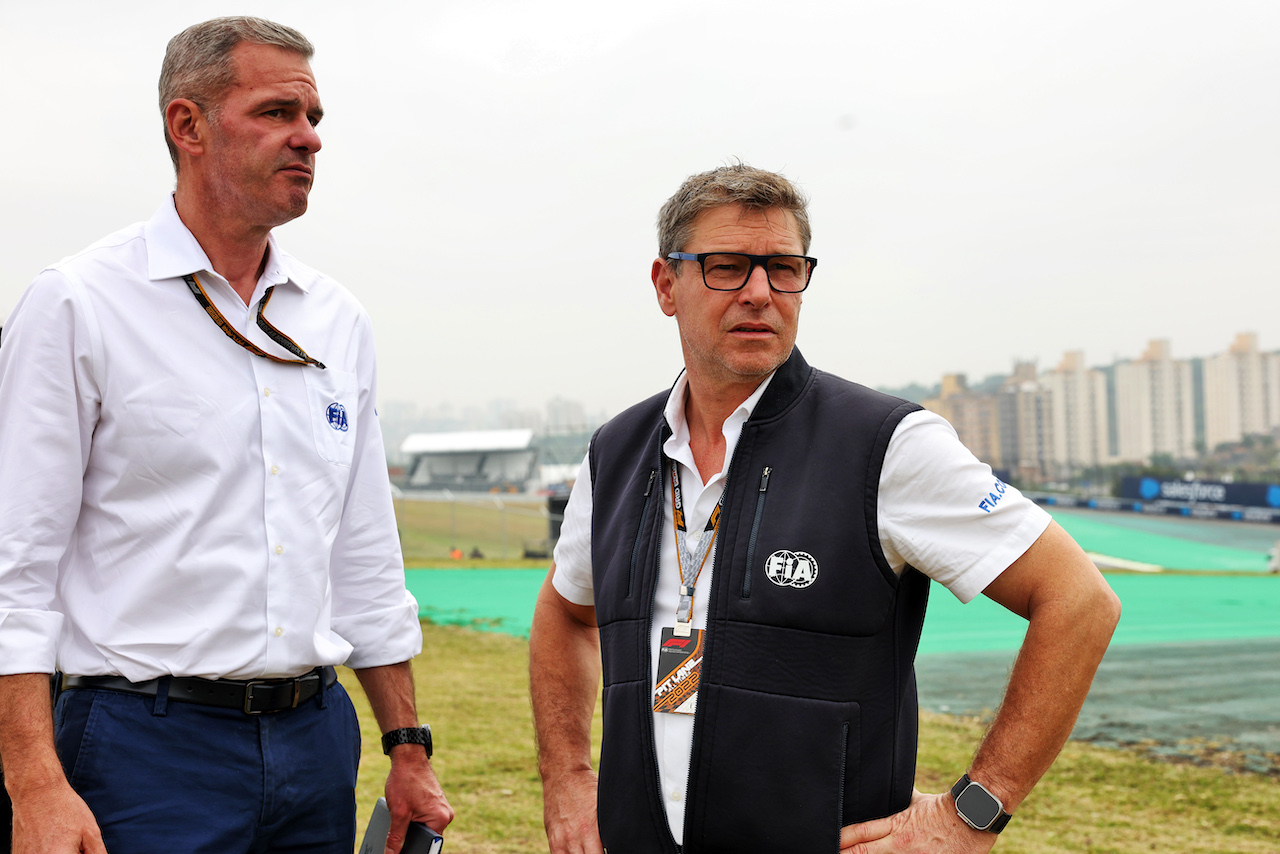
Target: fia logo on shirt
337	416
791	569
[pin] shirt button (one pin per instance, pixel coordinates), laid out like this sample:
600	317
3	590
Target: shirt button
266	392
275	469
675	794
279	631
279	550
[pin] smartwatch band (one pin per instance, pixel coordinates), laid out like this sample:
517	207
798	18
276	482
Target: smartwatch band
408	735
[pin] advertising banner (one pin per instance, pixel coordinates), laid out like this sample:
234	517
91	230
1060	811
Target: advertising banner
1201	492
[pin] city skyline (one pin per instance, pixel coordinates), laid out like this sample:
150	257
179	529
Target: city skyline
1142	352
1053	424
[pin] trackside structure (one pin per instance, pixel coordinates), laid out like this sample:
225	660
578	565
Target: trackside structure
471	461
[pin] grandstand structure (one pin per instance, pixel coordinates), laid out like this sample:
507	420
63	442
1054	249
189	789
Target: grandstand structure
515	460
471	460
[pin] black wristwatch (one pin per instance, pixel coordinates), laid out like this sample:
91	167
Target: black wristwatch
408	735
977	807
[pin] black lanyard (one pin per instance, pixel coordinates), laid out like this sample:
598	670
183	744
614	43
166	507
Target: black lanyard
265	325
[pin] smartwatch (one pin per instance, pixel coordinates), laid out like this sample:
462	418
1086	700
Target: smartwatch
977	807
408	735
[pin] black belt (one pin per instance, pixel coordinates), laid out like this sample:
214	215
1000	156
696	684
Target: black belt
253	696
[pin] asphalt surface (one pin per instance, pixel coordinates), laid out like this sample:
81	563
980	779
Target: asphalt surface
1209	702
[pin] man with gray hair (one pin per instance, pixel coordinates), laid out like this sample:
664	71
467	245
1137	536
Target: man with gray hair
196	524
747	556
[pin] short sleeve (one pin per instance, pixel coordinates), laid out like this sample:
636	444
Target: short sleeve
944	512
573	579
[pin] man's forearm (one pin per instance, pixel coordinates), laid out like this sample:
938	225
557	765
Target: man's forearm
47	814
390	692
564	677
412	790
30	760
1071	623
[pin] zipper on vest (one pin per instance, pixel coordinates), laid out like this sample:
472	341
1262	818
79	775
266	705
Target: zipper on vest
755	529
844	761
654	476
644	517
690	807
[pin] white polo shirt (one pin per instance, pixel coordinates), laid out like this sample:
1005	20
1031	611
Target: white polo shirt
171	503
932	510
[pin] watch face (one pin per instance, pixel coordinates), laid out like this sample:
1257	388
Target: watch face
978	806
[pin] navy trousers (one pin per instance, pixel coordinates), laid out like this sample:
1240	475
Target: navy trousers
163	777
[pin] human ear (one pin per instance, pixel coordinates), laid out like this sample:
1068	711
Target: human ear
187	125
664	281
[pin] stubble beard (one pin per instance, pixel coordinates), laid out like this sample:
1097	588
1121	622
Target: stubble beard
729	368
253	200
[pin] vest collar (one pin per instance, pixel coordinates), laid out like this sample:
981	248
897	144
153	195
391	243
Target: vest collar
787	384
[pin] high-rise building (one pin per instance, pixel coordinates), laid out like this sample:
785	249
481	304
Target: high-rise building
1049	426
1010	428
1028	422
1079	412
1241	392
1154	406
565	415
974	416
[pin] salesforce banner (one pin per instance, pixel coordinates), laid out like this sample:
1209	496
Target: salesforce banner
1201	491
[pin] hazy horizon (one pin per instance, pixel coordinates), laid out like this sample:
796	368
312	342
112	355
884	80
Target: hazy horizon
990	182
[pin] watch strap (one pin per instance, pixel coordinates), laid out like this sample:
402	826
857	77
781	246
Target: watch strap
408	735
998	824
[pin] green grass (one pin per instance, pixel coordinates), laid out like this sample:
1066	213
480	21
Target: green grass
472	688
430	529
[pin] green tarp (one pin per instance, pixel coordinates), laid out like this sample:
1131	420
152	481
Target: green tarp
1160	608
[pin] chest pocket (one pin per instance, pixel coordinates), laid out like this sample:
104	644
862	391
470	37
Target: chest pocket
808	561
332	398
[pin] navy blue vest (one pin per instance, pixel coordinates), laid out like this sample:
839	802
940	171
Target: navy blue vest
806	717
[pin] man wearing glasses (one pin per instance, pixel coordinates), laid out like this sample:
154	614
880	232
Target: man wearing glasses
749	556
195	520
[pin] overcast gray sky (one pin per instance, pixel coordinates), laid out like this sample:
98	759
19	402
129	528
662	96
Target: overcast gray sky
990	180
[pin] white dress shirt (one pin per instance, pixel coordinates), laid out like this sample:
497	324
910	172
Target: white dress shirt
929	514
171	503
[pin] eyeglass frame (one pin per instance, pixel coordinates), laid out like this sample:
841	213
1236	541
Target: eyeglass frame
756	261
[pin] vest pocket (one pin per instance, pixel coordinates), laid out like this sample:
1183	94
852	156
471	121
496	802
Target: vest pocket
640	531
796	751
755	532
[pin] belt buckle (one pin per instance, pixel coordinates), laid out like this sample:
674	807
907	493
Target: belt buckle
248	698
248	695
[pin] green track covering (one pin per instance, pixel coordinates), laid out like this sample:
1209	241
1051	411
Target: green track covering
1171	542
1157	608
492	600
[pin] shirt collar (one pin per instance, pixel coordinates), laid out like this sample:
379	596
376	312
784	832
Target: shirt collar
677	445
174	252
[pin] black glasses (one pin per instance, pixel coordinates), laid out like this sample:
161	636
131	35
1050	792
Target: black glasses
729	271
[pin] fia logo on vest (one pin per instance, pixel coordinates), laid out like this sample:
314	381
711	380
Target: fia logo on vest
337	417
791	569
